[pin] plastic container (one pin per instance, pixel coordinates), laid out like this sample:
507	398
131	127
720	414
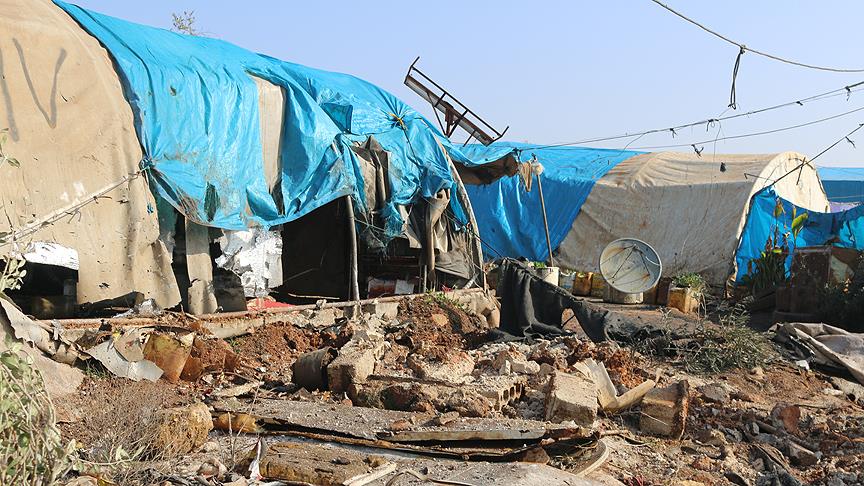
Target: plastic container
549	274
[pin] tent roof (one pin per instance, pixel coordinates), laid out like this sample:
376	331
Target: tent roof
682	168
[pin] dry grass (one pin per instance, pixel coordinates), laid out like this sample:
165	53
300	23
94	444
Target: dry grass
116	434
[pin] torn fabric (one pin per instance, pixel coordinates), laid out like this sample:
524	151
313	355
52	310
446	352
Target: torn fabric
831	345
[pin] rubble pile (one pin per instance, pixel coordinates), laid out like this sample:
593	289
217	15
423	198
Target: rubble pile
430	379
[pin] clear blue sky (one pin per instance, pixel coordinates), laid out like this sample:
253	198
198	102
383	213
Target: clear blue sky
560	71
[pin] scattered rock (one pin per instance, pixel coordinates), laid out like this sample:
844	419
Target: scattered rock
703	463
454	367
787	416
236	422
212	467
210	446
715	393
713	437
180	430
571	397
854	391
778	478
468	404
354	363
801	456
842	478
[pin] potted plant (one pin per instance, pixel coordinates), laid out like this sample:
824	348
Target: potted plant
686	292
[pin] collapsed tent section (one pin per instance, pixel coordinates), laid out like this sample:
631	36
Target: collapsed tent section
508	210
187	169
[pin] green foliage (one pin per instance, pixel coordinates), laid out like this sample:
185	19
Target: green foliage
769	269
714	350
184	23
5	158
690	280
31	451
13	273
766	272
441	299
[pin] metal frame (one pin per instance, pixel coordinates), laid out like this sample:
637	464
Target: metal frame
455	113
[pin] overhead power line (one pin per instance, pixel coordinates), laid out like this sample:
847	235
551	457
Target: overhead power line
753	134
708	122
807	162
743	48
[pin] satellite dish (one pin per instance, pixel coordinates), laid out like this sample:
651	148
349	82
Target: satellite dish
630	266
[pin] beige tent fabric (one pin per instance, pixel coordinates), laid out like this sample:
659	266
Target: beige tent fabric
685	207
271	112
72	130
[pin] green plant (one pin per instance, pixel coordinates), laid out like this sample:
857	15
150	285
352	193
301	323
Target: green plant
184	23
539	264
31	451
713	350
5	158
768	270
13	273
690	280
441	299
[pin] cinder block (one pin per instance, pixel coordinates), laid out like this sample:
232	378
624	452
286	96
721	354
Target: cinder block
664	410
571	397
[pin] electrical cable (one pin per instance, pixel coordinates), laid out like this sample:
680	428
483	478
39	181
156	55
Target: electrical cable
807	162
847	90
755	51
753	134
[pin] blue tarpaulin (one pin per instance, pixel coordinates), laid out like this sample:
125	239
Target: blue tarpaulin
196	113
844	229
510	219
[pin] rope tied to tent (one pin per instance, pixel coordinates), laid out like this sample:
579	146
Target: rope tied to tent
398	119
733	102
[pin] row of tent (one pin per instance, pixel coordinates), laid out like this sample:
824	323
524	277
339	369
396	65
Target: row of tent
113	122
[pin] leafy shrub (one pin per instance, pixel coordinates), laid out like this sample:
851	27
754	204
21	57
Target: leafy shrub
31	452
692	281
